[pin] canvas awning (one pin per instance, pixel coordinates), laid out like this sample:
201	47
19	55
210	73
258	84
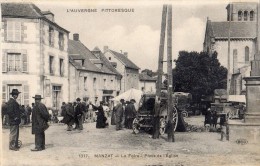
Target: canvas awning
237	98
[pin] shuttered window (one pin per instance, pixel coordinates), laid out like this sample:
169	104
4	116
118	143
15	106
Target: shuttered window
13	31
4	64
25	63
14	62
26	94
3	93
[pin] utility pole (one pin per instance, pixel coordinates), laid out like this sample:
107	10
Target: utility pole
169	72
160	66
228	58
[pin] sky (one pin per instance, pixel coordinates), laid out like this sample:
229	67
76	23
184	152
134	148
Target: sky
137	32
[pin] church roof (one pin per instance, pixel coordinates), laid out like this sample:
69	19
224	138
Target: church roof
238	29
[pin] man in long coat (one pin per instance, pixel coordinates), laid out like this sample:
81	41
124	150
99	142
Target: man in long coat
69	116
119	110
14	113
79	115
130	113
40	117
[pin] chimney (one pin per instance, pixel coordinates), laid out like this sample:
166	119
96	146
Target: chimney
126	54
105	49
49	15
76	36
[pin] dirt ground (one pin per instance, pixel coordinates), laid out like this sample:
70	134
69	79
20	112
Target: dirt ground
108	147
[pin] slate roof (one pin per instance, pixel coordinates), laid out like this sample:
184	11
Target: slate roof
107	63
25	10
124	60
78	51
28	10
145	77
238	29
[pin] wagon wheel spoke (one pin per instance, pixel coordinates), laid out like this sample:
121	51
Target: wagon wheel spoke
162	126
175	118
136	128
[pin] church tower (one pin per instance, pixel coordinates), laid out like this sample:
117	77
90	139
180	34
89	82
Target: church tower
242	11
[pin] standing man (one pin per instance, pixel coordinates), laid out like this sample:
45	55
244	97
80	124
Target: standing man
78	115
119	114
130	113
40	117
14	113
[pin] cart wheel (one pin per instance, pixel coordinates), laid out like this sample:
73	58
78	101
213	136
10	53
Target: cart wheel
175	118
162	126
136	127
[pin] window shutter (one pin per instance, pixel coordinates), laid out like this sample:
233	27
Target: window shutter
10	32
3	93
25	62
4	62
17	36
26	94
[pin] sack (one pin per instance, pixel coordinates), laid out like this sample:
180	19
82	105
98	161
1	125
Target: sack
45	125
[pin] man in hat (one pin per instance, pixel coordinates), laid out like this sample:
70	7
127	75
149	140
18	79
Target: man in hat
130	113
40	117
119	114
78	115
14	113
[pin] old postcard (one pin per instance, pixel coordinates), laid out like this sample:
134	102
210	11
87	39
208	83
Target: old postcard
149	83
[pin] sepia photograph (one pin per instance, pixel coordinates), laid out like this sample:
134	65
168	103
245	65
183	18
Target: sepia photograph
130	83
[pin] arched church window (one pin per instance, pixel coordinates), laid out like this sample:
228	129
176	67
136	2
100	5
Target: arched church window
246	54
245	15
251	15
239	15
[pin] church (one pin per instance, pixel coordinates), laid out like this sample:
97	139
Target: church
240	28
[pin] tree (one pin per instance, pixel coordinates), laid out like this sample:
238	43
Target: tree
199	74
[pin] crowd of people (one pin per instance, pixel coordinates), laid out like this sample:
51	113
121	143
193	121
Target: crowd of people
73	114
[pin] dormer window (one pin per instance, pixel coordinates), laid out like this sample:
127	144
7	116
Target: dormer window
83	62
109	58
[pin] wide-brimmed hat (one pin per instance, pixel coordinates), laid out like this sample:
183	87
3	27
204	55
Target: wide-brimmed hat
15	92
133	100
37	97
78	99
122	100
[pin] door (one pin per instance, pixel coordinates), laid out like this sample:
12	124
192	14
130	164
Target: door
56	97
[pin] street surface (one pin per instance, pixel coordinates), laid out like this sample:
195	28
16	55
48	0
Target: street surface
108	147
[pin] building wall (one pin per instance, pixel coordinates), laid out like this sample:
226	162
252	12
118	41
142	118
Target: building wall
26	81
222	49
55	79
82	85
147	86
130	77
35	52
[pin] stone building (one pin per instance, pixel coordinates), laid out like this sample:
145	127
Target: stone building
242	34
91	74
34	55
128	70
147	83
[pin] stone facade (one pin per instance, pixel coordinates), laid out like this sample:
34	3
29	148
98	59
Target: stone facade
26	55
130	76
242	42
